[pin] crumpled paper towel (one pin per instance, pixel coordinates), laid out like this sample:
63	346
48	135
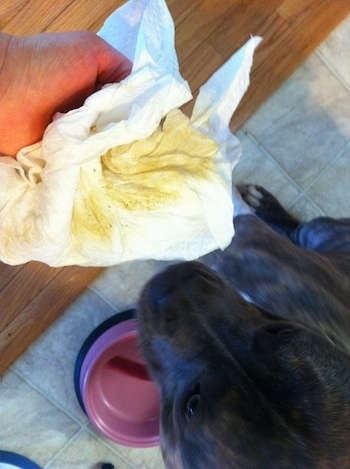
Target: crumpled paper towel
69	199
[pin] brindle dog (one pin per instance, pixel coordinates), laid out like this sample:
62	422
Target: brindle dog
252	357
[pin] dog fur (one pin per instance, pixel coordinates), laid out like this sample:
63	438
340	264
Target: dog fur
252	354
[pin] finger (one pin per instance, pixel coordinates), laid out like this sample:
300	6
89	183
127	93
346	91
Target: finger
115	69
113	66
118	72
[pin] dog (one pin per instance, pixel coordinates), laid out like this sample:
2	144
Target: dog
251	347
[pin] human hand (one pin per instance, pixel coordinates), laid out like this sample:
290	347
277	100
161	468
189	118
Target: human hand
46	73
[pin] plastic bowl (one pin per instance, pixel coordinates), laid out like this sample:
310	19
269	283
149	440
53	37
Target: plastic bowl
113	387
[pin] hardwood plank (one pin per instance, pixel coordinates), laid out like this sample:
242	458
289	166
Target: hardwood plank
22	289
202	63
282	58
7	273
273	31
243	20
295	12
200	24
199	65
35	17
42	311
180	9
197	68
9	8
83	15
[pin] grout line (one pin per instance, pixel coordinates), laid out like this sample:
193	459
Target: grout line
310	201
108	302
332	69
52	21
302	191
276	164
47	398
82	426
85	428
108	446
64	447
323	171
96	292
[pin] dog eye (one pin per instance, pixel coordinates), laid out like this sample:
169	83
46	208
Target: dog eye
192	405
285	332
280	330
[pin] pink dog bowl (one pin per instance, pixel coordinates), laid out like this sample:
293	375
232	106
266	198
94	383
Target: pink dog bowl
113	386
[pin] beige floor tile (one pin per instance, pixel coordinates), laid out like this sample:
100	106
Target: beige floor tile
305	210
311	125
335	51
31	425
121	285
49	363
87	452
147	458
331	191
142	458
255	167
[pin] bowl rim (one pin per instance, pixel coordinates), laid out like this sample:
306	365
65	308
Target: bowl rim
90	340
17	460
115	328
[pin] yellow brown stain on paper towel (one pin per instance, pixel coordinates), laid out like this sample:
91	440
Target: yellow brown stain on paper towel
141	176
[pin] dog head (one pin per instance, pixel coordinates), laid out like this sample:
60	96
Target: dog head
240	387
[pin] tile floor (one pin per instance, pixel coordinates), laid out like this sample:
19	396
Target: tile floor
297	145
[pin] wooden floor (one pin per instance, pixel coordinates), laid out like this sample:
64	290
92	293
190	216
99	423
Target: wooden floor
208	32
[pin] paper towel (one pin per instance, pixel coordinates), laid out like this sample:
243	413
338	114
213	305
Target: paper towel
55	197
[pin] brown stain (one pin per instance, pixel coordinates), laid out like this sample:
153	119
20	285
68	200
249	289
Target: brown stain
152	172
142	176
92	214
90	217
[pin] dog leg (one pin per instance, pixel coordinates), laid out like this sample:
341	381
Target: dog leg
325	234
267	207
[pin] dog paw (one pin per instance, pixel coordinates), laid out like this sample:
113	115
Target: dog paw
240	206
267	207
252	195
